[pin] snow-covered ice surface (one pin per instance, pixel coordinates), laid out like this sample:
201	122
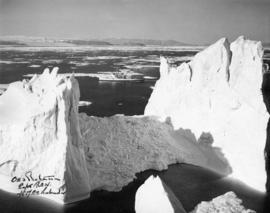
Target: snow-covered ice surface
228	203
118	147
155	197
40	137
218	97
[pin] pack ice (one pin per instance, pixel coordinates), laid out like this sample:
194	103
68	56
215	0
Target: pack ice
217	96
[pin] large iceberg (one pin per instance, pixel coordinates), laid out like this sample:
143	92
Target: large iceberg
219	94
40	141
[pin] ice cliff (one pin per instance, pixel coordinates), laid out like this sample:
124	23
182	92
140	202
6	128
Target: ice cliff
40	140
155	196
218	93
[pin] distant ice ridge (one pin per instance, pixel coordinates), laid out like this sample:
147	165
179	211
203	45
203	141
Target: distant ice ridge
99	48
155	196
42	134
218	95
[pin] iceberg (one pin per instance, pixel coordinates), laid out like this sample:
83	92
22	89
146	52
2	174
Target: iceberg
218	95
40	139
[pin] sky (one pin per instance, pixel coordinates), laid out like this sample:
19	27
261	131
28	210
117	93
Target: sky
189	21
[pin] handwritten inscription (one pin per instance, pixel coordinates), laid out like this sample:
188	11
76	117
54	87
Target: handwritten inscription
29	185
